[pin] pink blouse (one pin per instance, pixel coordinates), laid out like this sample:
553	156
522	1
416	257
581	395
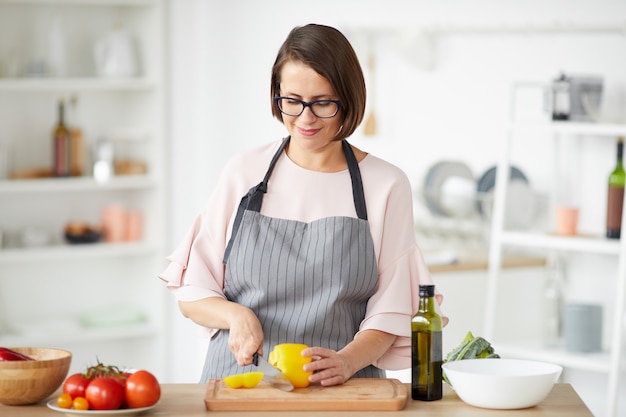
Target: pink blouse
196	270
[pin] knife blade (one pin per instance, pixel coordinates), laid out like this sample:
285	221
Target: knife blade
272	375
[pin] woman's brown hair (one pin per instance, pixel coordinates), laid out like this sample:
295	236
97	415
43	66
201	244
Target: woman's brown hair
327	51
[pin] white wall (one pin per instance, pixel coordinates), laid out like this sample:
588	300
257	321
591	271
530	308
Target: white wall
222	52
456	110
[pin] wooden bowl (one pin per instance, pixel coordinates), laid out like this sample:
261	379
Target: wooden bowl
28	382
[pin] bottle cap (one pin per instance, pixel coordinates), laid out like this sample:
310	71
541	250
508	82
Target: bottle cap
427	290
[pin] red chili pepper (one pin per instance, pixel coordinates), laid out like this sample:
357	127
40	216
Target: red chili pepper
11	355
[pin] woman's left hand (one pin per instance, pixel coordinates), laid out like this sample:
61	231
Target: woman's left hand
328	367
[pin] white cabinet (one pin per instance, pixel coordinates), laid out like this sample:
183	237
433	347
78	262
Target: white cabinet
609	362
100	300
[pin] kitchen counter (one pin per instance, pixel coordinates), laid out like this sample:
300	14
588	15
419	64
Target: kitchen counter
188	400
473	260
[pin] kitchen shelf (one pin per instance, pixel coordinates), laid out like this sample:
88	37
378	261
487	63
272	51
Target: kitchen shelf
537	240
594	362
83	3
47	283
74	252
610	362
76	84
603	130
77	184
74	333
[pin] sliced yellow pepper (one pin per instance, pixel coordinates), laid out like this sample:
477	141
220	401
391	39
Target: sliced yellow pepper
245	380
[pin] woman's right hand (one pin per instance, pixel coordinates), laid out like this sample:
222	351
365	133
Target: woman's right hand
245	335
245	331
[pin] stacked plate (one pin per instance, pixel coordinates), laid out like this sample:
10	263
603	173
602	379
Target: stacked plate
520	199
450	190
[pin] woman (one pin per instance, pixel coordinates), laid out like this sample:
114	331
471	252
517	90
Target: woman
322	250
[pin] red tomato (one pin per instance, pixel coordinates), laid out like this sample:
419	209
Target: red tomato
120	378
142	390
75	385
104	394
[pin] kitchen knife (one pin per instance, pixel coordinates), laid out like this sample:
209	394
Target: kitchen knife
272	375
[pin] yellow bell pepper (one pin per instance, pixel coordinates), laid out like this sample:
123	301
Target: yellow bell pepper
288	358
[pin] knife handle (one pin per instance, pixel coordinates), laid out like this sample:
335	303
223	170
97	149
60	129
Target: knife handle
255	359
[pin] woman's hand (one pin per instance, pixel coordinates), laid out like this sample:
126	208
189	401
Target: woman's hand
334	368
328	366
245	336
245	332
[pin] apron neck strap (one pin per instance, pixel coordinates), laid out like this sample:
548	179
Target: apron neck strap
254	198
357	183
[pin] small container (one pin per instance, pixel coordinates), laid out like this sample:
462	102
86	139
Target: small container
566	220
134	226
103	167
561	98
582	327
114	223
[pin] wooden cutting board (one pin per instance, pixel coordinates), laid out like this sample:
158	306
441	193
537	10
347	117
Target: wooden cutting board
358	394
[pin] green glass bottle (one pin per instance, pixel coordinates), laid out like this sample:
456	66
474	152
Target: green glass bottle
616	196
426	348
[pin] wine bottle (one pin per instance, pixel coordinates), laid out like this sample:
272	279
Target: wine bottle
615	196
553	301
61	137
77	146
426	348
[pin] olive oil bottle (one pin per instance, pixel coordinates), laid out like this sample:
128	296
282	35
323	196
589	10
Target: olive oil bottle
61	138
615	195
426	348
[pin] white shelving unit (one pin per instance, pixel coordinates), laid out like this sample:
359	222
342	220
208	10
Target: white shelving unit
610	362
47	291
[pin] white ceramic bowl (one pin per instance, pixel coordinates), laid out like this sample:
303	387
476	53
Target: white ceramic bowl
502	383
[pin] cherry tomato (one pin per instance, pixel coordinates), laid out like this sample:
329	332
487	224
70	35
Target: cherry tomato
64	401
80	403
75	385
104	394
142	389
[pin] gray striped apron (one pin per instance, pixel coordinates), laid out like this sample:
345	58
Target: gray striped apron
307	282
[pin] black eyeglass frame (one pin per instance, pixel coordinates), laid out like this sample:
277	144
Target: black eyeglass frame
306	104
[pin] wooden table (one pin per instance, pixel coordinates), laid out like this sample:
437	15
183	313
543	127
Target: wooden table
188	400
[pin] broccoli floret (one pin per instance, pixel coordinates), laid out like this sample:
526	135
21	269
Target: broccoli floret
470	348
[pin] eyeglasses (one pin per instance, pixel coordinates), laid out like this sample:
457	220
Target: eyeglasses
321	108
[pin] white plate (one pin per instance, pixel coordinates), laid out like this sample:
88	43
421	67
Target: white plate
437	175
52	404
520	201
487	182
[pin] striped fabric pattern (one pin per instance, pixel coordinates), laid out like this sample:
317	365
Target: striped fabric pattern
307	282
